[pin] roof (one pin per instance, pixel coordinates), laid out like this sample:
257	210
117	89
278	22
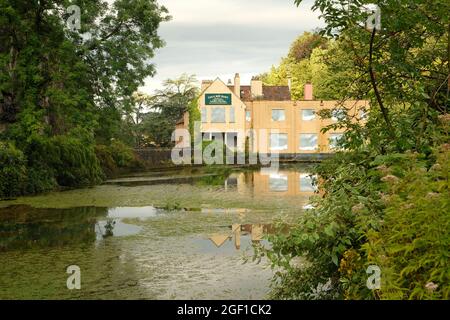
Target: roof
270	93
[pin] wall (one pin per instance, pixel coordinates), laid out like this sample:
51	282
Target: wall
293	125
261	119
239	107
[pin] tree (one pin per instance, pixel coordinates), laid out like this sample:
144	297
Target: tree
168	107
304	45
377	195
67	86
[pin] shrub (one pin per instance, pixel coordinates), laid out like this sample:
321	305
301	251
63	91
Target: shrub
40	179
106	160
122	154
75	163
71	161
13	172
411	248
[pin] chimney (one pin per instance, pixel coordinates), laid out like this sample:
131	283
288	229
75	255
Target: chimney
308	91
256	88
237	85
205	84
290	83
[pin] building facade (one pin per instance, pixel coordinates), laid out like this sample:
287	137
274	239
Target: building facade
265	118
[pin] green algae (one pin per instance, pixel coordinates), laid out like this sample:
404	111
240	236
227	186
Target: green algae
151	253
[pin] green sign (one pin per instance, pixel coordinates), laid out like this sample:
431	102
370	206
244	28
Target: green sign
214	99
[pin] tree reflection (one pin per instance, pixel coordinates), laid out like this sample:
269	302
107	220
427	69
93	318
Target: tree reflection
24	227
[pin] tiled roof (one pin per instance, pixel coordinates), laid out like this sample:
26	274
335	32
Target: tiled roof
270	93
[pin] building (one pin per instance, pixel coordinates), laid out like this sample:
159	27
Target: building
281	124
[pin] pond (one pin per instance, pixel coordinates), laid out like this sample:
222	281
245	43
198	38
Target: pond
169	234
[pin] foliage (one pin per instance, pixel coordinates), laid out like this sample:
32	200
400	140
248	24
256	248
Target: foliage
412	245
312	59
106	160
194	115
167	108
12	170
62	90
121	153
116	156
384	200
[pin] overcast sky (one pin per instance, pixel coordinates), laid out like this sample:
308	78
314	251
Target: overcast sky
217	38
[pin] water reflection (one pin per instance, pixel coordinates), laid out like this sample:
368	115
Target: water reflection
24	227
256	233
285	181
146	252
277	183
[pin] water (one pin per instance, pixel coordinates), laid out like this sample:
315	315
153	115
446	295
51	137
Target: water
174	234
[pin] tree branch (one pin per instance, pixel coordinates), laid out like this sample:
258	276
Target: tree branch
384	111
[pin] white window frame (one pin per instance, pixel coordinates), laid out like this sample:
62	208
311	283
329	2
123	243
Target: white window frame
284	115
308	148
309	118
330	139
206	136
215	109
278	147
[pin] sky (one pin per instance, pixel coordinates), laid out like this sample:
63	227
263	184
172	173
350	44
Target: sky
218	38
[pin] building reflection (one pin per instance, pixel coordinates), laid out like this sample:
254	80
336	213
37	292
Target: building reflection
255	231
271	182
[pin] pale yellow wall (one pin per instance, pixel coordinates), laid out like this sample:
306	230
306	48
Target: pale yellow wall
293	126
261	118
239	125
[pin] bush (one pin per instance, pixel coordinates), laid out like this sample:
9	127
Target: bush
71	161
390	210
117	156
40	179
311	253
412	245
106	160
13	171
75	163
122	154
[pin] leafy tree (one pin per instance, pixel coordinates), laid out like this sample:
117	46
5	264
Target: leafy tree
384	200
60	84
304	45
310	60
168	107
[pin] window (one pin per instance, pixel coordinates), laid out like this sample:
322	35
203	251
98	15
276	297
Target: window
306	183
206	136
363	114
278	182
231	140
308	114
248	116
334	140
278	115
204	115
338	114
278	141
232	115
218	115
308	141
